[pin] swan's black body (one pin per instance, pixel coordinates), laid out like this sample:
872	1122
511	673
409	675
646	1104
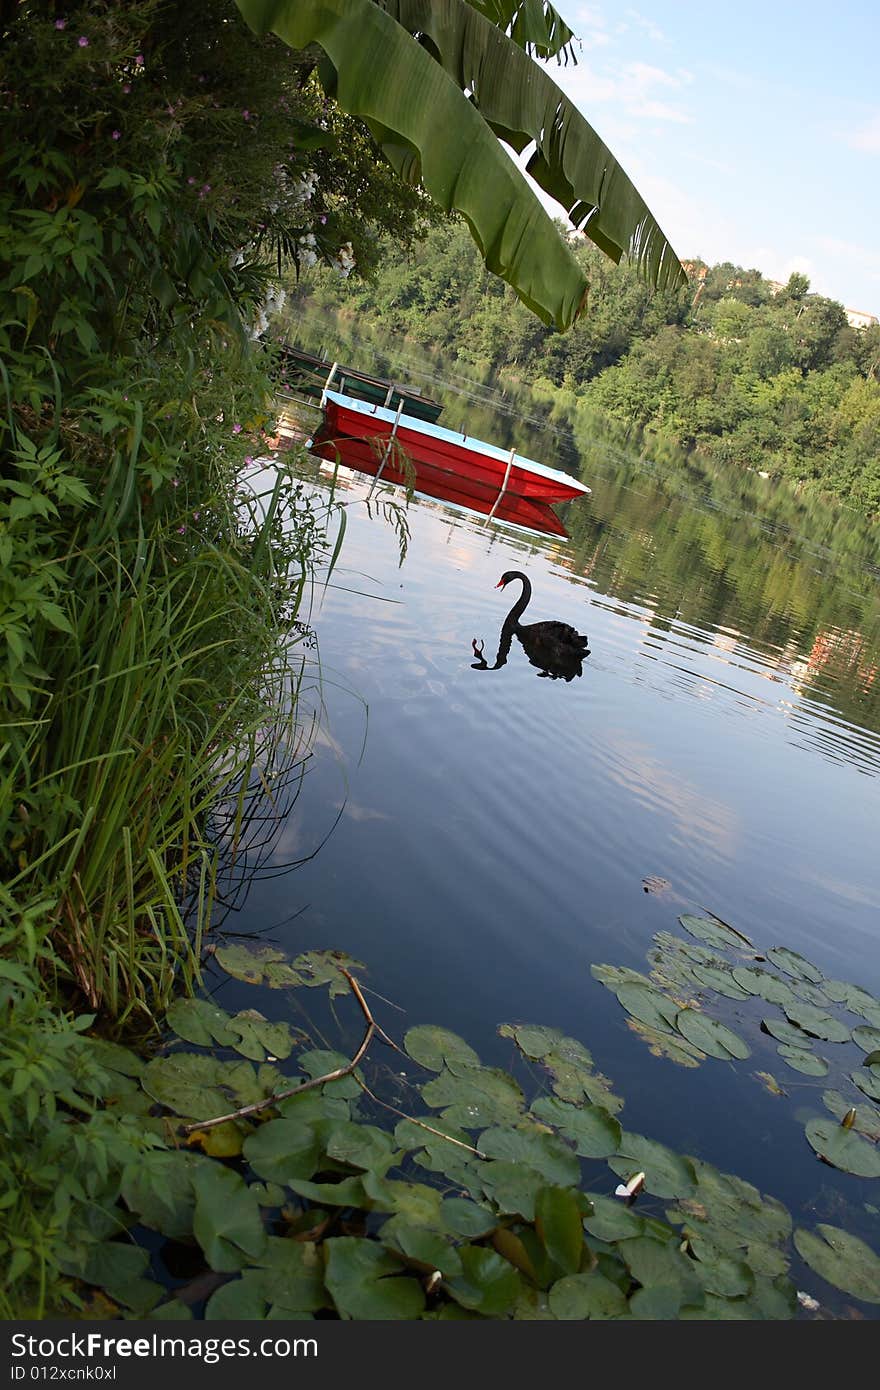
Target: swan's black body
556	648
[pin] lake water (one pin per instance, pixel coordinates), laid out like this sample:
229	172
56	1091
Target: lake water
494	834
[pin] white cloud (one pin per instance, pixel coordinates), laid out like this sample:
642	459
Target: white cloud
638	90
867	137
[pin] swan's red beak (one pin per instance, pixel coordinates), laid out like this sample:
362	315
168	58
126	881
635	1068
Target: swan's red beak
501	583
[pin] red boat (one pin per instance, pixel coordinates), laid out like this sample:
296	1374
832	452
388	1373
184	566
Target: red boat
443	463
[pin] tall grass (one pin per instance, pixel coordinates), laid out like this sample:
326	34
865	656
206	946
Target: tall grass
176	684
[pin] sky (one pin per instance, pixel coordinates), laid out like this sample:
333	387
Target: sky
752	130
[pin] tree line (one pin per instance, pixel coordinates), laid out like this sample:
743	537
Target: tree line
751	374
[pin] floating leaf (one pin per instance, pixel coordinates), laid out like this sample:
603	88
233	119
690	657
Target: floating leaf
715	932
719	1272
867	1118
159	1191
649	1005
817	1023
710	1036
475	1097
804	989
785	1032
671	1045
283	1149
324	968
546	1153
659	1266
349	1192
464	1218
866	1037
532	1040
613	976
769	1082
513	1187
721	980
844	1260
868	1081
579	1296
320	1062
415	1201
594	1132
843	1148
227	1222
426	1249
189	1083
431	1047
252	966
611	1221
667	1174
254	1036
765	984
795	965
366	1284
118	1268
803	1060
200	1021
360	1146
854	998
574	1077
559	1227
488	1285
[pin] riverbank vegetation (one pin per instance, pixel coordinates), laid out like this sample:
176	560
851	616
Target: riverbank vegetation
750	374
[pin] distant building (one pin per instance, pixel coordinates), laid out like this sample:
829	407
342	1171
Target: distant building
856	319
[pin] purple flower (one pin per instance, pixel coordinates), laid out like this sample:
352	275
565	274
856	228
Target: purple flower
61	24
323	218
196	516
115	134
181	530
191	179
236	429
246	115
83	41
248	458
126	87
175	482
139	60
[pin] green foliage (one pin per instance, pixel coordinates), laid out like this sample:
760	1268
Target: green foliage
778	384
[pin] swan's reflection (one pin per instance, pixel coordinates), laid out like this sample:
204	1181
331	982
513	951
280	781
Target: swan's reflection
556	648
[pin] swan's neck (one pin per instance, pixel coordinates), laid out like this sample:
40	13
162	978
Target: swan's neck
521	604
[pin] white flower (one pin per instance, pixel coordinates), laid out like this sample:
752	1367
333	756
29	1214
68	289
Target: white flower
344	260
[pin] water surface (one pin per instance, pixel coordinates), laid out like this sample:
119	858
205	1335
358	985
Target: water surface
496	830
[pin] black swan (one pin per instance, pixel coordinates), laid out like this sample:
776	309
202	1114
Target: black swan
556	648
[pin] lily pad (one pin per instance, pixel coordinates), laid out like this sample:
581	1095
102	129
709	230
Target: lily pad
844	1260
227	1221
670	1045
803	1060
575	1078
366	1284
283	1149
854	998
318	968
252	1035
579	1296
613	976
254	966
649	1005
817	1023
710	1036
488	1284
866	1037
667	1174
794	964
432	1046
867	1117
720	980
476	1097
594	1132
714	932
765	984
843	1148
532	1040
868	1081
201	1022
785	1032
546	1153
